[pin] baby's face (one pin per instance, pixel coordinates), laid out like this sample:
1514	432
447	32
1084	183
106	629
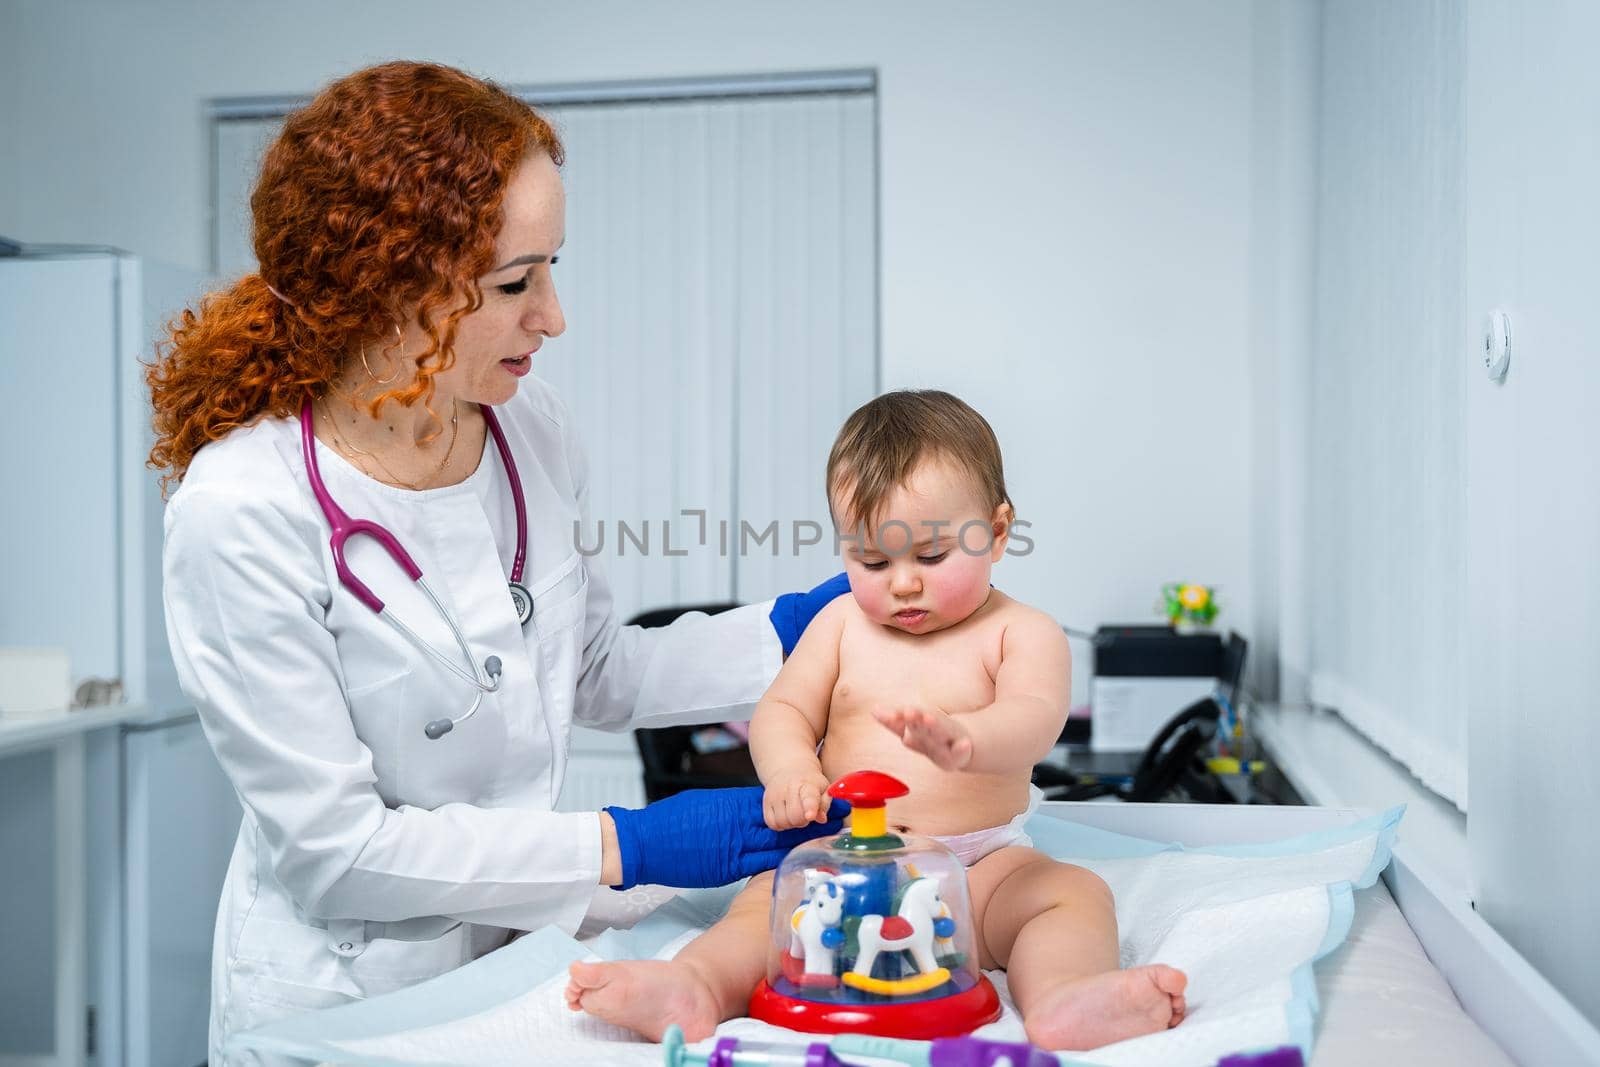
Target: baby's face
925	563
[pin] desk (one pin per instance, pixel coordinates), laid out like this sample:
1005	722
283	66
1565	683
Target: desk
24	733
1082	766
1078	761
63	734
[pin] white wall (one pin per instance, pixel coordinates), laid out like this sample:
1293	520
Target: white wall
1065	209
1533	487
1458	160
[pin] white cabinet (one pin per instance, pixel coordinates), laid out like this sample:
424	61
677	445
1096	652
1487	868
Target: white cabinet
114	842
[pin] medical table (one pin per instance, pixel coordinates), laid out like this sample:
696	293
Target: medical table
1420	979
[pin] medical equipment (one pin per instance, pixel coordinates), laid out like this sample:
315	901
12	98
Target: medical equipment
343	528
943	1052
871	931
1144	675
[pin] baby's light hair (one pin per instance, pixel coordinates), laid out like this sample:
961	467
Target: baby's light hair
885	440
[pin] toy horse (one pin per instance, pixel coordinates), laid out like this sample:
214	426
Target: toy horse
922	916
814	928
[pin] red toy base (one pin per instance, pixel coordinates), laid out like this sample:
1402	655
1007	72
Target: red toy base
920	1020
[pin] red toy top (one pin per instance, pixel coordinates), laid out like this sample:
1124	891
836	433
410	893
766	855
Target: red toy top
868	789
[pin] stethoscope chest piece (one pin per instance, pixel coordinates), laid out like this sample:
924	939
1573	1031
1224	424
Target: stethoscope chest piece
521	601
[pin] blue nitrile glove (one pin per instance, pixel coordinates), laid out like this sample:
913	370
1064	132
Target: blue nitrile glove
706	837
793	612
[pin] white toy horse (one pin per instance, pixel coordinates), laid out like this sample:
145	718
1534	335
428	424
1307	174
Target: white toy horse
814	926
922	917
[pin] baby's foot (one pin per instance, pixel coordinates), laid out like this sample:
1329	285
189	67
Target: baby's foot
1089	1012
645	996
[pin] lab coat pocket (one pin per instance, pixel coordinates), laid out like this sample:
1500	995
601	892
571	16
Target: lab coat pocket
379	713
305	973
272	996
560	597
257	999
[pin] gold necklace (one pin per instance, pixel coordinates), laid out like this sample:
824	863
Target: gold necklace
352	451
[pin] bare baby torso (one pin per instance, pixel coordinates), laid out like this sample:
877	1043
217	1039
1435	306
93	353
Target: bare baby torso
953	670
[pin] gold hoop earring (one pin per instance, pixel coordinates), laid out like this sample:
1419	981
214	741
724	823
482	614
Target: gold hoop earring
385	381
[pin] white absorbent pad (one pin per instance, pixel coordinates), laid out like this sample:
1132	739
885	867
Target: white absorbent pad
1245	922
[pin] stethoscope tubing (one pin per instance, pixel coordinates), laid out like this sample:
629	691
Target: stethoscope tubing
342	527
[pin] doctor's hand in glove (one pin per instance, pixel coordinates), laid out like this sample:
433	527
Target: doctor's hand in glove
791	612
701	838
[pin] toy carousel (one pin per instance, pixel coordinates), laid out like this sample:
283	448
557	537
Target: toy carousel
872	931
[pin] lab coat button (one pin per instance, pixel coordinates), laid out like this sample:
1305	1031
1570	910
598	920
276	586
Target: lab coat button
347	938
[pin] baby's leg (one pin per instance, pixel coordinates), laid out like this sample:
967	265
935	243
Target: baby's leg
709	981
1053	927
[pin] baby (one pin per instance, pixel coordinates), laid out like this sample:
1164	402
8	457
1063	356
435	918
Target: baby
928	673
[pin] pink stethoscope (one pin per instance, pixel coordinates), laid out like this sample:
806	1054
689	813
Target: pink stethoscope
344	527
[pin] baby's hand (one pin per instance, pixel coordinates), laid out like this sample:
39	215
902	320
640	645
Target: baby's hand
795	800
930	732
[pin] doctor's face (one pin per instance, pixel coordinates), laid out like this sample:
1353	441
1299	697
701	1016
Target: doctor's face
495	344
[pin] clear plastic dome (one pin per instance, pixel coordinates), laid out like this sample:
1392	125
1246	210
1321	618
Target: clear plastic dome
871	931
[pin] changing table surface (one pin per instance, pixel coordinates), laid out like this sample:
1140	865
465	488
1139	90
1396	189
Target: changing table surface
1383	1000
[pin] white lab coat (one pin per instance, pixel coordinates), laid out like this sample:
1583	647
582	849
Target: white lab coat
370	857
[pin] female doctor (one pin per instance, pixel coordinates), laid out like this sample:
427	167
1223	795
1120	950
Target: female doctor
372	588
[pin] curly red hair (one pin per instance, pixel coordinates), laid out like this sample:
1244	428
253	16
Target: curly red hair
379	200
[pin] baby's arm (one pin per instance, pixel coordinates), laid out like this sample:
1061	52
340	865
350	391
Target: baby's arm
790	720
1032	690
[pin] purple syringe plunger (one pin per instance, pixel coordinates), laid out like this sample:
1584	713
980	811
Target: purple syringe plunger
977	1052
737	1052
1287	1056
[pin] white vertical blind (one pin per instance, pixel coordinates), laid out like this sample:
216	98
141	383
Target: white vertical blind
720	285
806	323
1388	493
719	281
637	363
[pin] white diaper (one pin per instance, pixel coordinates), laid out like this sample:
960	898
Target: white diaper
970	848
